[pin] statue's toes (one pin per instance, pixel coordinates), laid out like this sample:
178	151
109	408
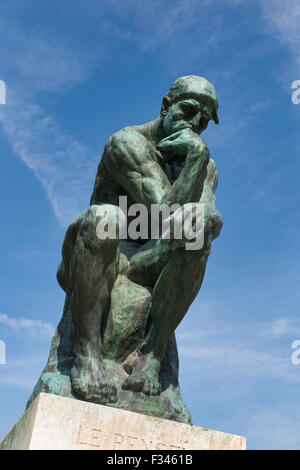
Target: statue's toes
93	389
87	392
135	384
110	393
101	394
77	387
152	387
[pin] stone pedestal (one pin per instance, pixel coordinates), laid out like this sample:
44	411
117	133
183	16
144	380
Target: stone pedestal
55	423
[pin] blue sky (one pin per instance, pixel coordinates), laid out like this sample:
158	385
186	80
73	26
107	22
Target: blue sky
76	72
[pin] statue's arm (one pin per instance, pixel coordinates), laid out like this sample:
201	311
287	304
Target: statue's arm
128	157
189	185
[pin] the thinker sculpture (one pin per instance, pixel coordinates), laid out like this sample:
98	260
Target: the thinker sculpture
115	344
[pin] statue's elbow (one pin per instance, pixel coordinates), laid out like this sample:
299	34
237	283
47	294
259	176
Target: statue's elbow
217	227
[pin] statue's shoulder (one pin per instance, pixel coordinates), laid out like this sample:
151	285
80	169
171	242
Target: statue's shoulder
127	137
128	143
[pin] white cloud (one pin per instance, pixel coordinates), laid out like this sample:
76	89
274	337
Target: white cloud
43	63
284	15
247	350
185	35
42	60
275	428
63	165
31	328
284	326
21	381
241	362
22	373
282	21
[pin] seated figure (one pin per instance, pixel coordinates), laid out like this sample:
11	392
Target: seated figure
115	344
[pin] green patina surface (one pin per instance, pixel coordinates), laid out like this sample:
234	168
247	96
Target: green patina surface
115	344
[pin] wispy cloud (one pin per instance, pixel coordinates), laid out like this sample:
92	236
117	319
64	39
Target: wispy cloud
242	362
63	165
188	34
22	373
42	60
31	328
282	22
283	326
276	428
247	350
19	380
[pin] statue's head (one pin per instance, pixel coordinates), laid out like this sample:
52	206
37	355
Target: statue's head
191	102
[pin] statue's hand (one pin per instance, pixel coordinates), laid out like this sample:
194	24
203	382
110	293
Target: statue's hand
183	142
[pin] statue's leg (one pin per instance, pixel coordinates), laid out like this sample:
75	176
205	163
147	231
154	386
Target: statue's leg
92	270
173	294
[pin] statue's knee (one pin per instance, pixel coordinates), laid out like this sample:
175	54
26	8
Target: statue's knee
99	228
62	276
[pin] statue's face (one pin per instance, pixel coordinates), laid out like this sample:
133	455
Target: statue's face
189	112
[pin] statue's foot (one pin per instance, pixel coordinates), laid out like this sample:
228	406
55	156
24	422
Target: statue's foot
89	381
145	376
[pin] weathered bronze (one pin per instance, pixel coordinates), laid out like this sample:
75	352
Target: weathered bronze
116	343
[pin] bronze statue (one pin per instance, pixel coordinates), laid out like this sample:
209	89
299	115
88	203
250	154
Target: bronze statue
116	344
